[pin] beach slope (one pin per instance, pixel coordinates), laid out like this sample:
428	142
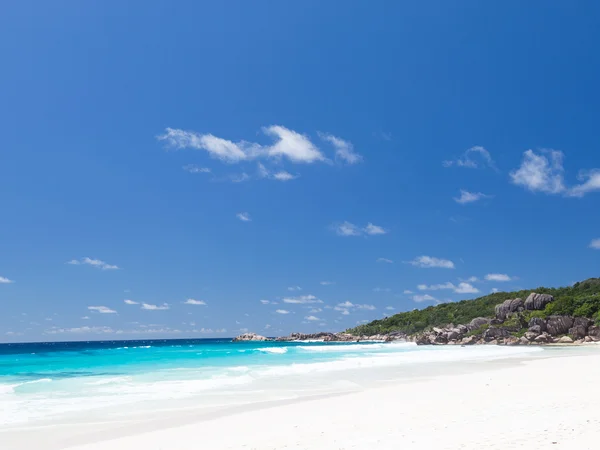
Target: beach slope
539	404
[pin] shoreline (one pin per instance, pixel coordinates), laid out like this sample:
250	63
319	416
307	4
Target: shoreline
178	426
444	418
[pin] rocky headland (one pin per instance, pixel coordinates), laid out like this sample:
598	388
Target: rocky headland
540	319
322	337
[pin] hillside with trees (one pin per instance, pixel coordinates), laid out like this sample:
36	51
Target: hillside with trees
579	300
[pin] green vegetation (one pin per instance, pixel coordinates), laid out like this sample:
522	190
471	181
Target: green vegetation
581	299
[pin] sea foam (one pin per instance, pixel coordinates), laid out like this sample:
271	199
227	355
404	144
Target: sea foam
279	350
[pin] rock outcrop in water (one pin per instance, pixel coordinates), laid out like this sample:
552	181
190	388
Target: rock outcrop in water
340	337
323	337
250	337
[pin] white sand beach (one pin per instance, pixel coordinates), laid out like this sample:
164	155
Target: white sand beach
534	404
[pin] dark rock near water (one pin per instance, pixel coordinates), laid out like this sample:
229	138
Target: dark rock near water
536	302
470	340
493	333
536	321
583	322
530	335
578	332
536	329
594	332
503	310
544	338
452	335
557	325
462	329
478	322
250	337
580	327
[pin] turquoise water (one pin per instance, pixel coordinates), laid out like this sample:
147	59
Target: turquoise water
53	380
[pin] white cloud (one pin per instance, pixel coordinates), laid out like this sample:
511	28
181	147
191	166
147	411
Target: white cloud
428	262
217	148
102	309
239	178
263	172
327	283
265	302
85	318
497	277
315	310
494	290
312	318
5	280
591	182
149	307
94	263
191	301
193	168
407	291
595	244
344	150
347	229
540	173
282	311
384	260
267	326
284	176
367	307
462	288
390	308
295	146
544	172
466	288
472	279
380	289
345	312
374	229
473	158
436	287
13	333
130	302
243	216
302	300
288	143
423	298
77	330
294	288
346	304
469	197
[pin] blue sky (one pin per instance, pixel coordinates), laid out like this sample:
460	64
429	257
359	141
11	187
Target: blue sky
289	166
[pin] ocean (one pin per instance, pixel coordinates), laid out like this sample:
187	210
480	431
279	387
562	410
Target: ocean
44	383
